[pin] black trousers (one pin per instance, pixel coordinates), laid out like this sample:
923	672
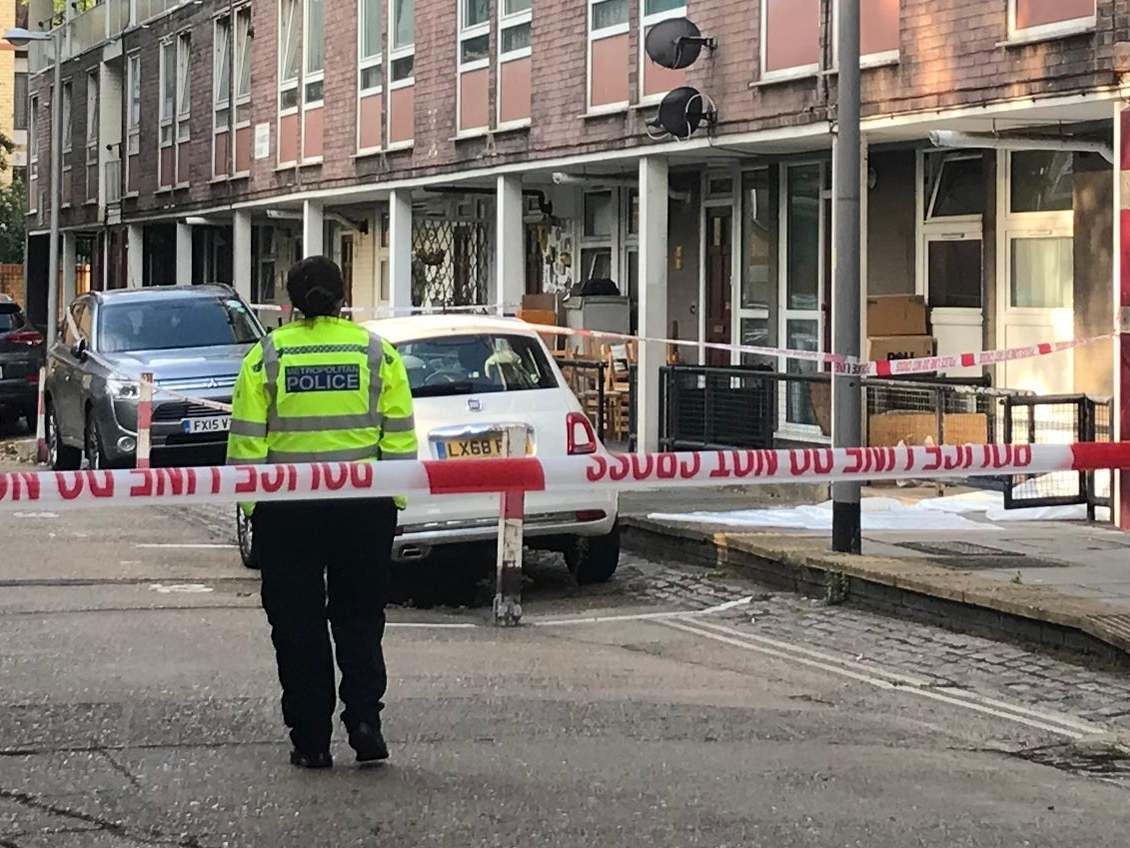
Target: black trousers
310	552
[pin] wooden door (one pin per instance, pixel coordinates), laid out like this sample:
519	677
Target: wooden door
719	222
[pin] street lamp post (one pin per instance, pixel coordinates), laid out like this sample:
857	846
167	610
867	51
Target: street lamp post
20	37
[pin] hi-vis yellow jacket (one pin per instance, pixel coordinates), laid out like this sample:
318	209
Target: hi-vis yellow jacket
321	390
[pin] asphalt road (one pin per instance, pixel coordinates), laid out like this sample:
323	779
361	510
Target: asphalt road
673	707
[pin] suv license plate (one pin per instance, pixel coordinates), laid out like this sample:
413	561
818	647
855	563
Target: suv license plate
216	424
476	447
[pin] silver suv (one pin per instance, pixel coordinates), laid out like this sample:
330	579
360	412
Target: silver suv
191	338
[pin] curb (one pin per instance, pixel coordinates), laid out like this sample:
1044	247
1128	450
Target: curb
24	451
952	599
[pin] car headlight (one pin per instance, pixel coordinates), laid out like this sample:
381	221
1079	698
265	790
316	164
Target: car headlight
123	389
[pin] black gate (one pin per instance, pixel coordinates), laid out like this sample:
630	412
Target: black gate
1058	419
707	408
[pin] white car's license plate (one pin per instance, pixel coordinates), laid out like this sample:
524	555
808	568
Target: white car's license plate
214	424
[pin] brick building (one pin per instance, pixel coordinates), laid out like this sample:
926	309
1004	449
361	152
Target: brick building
472	151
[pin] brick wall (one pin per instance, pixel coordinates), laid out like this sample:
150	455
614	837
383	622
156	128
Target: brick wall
950	56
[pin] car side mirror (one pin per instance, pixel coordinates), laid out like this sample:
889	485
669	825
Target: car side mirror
79	350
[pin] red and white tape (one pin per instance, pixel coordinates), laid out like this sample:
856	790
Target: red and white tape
322	481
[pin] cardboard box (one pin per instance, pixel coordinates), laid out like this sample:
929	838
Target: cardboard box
538	316
889	348
897	315
889	429
546	302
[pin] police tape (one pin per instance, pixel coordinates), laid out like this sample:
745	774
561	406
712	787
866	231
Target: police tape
631	472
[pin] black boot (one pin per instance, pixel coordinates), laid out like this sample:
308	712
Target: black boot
367	741
319	760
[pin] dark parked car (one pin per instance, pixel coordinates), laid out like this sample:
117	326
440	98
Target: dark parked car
21	356
191	338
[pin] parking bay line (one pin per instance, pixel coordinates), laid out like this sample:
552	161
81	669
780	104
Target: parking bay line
641	616
1061	725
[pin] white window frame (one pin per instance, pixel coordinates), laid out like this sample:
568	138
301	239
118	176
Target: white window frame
395	53
506	22
595	35
294	84
646	22
1059	29
797	72
739	312
92	145
32	147
68	129
312	76
133	127
182	133
468	33
866	60
368	63
166	122
610	242
240	53
785	428
221	100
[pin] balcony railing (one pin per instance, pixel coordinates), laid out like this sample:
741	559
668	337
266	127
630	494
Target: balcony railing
85	31
101	22
147	9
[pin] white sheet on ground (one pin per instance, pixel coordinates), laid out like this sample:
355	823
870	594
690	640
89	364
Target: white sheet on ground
952	513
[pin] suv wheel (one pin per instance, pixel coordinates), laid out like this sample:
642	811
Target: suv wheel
95	454
593	559
61	456
245	535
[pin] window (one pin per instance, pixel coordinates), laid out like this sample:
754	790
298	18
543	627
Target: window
1031	19
133	121
474	63
478	364
68	118
1042	181
514	68
656	81
184	322
184	89
314	48
600	219
759	244
290	34
19	92
168	91
403	37
600	216
879	24
955	185
790	38
369	51
608	54
954	272
1043	273
32	149
221	97
92	103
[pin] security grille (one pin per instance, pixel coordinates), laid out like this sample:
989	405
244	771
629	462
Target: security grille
451	259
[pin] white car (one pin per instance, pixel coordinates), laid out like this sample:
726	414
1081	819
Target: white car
474	377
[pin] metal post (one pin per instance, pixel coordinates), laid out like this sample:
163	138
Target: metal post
846	413
508	591
56	188
144	419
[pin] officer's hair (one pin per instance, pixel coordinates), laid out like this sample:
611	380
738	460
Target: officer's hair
315	286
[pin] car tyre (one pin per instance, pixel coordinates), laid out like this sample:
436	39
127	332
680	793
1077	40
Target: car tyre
594	559
61	456
245	536
93	450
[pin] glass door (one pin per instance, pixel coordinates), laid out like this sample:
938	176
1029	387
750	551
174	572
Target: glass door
804	213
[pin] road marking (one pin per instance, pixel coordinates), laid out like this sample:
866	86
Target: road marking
35	514
432	625
190	546
641	616
181	588
1059	724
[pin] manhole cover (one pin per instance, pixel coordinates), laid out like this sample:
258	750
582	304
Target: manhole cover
959	549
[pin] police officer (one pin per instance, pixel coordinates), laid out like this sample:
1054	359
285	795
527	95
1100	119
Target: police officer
322	389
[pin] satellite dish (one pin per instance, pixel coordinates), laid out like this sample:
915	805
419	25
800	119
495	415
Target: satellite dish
681	112
675	43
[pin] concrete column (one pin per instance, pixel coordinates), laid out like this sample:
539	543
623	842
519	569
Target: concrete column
241	253
400	251
70	259
510	245
313	228
135	259
184	255
1120	286
652	297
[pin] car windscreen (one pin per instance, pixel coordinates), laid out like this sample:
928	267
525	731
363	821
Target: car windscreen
474	364
10	318
169	323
